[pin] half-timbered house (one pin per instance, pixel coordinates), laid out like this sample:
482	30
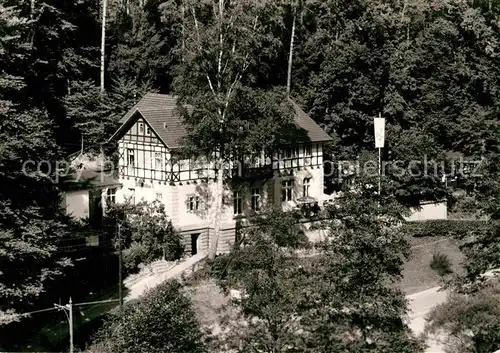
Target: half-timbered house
149	168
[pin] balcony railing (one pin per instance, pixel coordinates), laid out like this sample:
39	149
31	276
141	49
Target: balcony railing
244	172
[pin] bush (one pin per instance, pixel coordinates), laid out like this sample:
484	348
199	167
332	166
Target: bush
218	266
468	323
146	234
447	228
441	264
161	321
464	204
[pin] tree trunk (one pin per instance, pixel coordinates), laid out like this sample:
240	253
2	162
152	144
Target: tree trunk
103	41
183	35
219	193
32	8
290	57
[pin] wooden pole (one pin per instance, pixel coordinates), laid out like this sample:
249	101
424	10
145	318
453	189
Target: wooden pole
379	172
120	284
70	325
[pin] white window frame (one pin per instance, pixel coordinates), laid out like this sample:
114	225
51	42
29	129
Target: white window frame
148	130
158	160
255	199
287	190
307	150
306	185
141	128
237	203
130	153
111	195
194	203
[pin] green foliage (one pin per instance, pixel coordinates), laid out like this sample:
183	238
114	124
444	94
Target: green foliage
471	323
363	258
343	299
282	227
31	224
457	229
140	53
429	68
463	204
441	264
161	321
146	233
482	253
271	284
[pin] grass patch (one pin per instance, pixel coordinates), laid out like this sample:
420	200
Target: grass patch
418	274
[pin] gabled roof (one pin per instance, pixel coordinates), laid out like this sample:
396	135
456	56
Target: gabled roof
304	121
159	110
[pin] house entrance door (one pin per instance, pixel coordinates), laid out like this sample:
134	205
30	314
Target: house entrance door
194	243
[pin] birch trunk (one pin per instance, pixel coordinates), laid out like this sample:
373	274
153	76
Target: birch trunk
103	41
32	8
219	191
183	36
290	58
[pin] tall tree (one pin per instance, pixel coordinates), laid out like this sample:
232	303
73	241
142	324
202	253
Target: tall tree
161	321
357	307
140	53
30	222
223	42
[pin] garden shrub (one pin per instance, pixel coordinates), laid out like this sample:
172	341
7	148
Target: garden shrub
163	320
441	264
446	228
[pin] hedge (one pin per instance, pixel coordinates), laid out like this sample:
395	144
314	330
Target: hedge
446	228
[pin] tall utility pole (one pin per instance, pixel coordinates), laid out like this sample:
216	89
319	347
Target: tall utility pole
70	325
290	57
103	41
68	307
120	284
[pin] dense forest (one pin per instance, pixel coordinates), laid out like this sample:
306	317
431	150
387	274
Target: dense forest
431	68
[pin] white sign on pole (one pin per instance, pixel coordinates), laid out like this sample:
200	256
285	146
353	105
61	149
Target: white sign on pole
379	125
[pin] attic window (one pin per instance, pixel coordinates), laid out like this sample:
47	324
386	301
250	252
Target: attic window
165	126
148	131
141	128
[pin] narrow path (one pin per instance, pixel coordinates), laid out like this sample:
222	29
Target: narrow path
135	290
420	304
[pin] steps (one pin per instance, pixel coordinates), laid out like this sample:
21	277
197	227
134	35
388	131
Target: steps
159	272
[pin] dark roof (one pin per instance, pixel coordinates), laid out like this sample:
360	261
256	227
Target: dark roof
160	109
90	178
304	121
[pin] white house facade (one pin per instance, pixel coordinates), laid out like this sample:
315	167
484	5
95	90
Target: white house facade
149	169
